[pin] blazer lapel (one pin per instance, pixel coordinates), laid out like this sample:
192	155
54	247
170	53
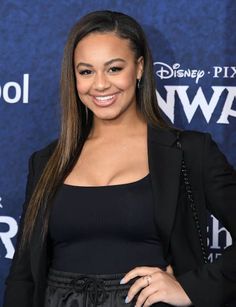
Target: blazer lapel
165	166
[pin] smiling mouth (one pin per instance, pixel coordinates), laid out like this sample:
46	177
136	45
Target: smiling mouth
104	101
104	98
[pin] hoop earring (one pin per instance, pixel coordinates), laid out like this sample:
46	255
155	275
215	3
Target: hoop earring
138	83
86	113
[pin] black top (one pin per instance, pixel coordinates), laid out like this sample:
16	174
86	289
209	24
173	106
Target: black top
104	229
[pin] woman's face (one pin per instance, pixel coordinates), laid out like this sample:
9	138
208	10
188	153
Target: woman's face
106	74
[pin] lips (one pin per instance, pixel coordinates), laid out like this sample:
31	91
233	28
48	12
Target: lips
104	101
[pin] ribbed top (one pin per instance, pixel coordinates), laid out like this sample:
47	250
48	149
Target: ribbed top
104	229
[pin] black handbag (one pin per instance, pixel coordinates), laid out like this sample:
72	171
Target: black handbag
190	199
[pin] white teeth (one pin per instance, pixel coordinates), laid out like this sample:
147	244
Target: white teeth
104	98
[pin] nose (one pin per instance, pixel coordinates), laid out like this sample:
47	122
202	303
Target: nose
101	82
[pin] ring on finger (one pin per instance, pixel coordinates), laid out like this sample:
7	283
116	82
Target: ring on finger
148	279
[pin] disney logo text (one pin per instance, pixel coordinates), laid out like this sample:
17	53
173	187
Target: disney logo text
164	71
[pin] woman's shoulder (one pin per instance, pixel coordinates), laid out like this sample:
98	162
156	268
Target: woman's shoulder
47	150
195	136
40	157
196	142
186	135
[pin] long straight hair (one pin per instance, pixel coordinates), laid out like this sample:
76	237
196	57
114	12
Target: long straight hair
76	121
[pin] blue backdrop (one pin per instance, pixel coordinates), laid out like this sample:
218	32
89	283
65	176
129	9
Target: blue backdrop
193	44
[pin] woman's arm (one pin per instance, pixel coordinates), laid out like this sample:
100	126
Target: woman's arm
213	284
19	283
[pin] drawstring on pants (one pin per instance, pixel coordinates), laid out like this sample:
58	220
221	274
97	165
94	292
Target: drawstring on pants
83	283
67	289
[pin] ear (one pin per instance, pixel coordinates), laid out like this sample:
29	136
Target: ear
140	67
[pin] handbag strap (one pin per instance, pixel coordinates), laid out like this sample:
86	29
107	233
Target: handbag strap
190	199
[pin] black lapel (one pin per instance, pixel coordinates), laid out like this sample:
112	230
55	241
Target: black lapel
164	160
164	165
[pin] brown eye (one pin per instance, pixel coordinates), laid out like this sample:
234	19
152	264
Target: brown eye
115	69
85	72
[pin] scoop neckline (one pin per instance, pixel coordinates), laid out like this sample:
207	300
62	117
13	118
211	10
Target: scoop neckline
106	186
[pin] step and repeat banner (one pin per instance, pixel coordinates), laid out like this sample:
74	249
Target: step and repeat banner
193	45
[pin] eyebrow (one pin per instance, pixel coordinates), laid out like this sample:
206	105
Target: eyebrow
107	63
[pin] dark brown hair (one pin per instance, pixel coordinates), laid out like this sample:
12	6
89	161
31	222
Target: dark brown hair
75	122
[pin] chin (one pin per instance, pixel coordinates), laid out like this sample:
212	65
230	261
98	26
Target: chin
107	115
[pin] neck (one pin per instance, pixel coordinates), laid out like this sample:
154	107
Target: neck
119	127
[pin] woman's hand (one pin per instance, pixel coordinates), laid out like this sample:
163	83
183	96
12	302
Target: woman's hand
162	286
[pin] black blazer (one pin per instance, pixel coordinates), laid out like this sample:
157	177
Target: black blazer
213	182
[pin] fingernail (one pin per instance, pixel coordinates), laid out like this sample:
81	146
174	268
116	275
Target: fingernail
127	300
122	281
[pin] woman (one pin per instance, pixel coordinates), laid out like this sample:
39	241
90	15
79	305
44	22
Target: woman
109	218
